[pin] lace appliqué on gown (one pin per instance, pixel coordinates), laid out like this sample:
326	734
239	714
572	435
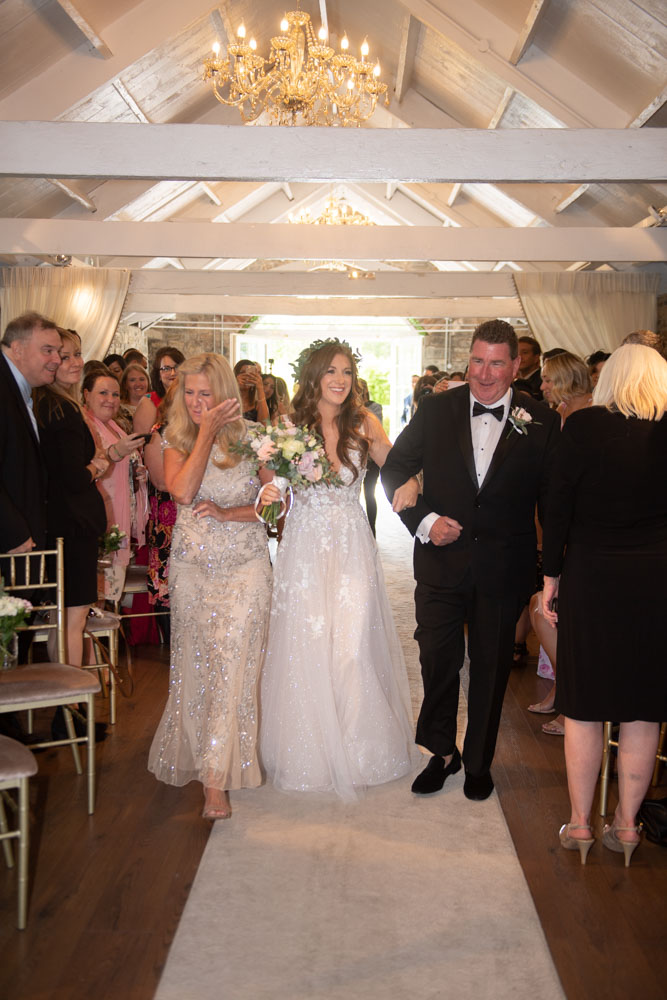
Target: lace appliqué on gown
220	591
335	702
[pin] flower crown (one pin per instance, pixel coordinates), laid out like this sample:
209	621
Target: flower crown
300	363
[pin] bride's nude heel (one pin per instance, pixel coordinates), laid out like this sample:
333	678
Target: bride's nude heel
575	843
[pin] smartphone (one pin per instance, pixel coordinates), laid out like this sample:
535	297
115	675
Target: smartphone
554	604
146	437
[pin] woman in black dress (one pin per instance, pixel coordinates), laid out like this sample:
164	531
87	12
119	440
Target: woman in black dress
75	507
605	536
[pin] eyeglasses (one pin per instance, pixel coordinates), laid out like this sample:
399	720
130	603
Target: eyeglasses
168	368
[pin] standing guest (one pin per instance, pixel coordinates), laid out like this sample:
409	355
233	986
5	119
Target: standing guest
75	507
123	492
408	408
649	339
220	591
282	393
485	452
133	386
163	374
336	712
431	370
530	376
605	554
595	364
275	404
116	364
29	358
250	384
132	354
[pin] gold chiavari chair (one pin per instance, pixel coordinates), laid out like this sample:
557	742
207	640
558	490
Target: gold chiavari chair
17	765
49	685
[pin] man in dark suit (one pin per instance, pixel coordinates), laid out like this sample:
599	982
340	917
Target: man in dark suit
29	358
530	373
485	451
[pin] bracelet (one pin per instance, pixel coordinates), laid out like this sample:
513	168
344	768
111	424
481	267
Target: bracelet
110	456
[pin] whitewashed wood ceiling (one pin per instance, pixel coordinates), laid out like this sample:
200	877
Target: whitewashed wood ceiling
594	65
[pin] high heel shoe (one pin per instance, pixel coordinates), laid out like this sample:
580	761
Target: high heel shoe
575	843
627	847
222	810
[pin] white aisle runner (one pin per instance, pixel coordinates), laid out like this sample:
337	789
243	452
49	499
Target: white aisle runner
303	897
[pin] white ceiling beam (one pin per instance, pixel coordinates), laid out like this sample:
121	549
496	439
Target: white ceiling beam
454	193
503	105
571	198
75	192
144	27
530	26
86	28
481	34
257	306
650	109
289	242
124	93
406	56
235	152
390	284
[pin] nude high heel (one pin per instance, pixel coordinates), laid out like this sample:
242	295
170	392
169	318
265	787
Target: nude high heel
627	847
574	843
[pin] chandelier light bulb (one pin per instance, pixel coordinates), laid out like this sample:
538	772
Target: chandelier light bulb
344	43
364	49
253	44
350	84
241	31
284	24
376	69
216	49
322	34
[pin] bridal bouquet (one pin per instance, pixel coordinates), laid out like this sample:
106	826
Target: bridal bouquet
13	612
295	454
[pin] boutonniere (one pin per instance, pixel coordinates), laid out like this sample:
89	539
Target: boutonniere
520	420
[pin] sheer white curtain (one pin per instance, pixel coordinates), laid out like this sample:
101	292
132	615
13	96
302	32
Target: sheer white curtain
86	299
587	311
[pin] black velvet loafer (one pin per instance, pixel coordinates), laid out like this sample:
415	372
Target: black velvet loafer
435	773
478	786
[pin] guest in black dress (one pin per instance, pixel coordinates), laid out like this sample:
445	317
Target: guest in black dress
605	536
75	508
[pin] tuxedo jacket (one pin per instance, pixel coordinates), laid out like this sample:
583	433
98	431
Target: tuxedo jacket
22	471
498	540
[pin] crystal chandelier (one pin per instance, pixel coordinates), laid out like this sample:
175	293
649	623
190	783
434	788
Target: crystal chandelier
303	82
336	212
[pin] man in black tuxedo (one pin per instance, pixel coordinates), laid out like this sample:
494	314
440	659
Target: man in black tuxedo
29	358
485	451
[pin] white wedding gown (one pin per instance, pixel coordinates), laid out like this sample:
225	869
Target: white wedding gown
335	702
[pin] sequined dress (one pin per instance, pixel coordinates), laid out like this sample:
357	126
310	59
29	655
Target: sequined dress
220	593
335	702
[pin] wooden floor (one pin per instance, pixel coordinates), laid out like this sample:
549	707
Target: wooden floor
106	892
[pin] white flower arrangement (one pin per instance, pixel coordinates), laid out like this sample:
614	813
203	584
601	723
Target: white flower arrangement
520	420
13	613
112	540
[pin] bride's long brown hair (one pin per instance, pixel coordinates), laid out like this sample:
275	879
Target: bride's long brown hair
352	413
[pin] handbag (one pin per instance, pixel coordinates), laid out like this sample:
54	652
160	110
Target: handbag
653	816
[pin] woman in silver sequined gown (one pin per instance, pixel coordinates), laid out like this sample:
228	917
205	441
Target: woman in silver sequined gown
219	589
335	702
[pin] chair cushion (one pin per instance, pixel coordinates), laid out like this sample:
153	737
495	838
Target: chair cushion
16	761
102	623
45	680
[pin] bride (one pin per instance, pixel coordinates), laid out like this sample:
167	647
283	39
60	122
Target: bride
335	702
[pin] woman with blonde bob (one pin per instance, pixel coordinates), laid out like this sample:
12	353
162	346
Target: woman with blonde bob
605	557
219	590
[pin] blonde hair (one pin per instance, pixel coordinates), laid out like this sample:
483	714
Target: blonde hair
569	376
634	382
183	431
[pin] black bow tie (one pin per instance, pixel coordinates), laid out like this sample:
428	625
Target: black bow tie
495	411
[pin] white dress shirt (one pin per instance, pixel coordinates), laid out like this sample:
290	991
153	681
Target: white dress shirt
485	431
26	391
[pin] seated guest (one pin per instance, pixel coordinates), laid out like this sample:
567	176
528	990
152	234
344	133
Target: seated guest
132	354
605	551
529	378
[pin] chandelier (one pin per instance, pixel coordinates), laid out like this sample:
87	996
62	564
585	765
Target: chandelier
336	212
303	82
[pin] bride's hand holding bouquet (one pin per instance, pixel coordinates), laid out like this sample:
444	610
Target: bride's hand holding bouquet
295	454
